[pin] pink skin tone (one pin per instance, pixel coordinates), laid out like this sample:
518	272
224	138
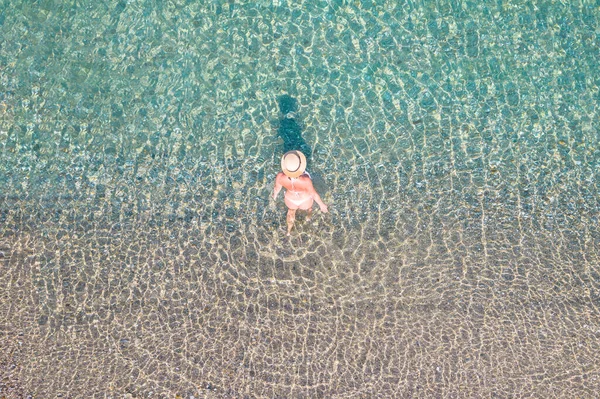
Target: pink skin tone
300	194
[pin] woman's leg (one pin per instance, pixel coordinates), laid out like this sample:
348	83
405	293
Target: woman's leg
309	214
291	217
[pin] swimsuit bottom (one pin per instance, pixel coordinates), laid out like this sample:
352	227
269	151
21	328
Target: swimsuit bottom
299	201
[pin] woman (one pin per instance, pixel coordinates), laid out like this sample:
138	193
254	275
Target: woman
300	192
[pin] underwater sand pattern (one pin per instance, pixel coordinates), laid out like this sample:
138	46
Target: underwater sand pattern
456	145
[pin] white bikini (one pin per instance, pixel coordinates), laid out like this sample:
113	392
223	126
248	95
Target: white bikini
297	201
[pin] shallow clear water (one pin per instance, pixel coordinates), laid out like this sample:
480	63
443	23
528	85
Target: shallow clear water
456	144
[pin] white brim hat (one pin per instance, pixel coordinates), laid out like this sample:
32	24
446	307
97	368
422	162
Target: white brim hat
293	163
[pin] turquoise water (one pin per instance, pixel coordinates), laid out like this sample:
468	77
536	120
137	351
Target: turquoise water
456	145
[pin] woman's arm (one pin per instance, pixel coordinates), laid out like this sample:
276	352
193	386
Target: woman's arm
277	187
318	200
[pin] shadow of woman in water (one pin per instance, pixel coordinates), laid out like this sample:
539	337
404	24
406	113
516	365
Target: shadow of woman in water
290	129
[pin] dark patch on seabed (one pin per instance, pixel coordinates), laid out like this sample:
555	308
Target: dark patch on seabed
290	129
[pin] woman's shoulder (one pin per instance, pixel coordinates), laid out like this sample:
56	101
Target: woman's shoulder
305	180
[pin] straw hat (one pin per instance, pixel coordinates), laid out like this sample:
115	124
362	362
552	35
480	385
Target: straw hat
293	163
